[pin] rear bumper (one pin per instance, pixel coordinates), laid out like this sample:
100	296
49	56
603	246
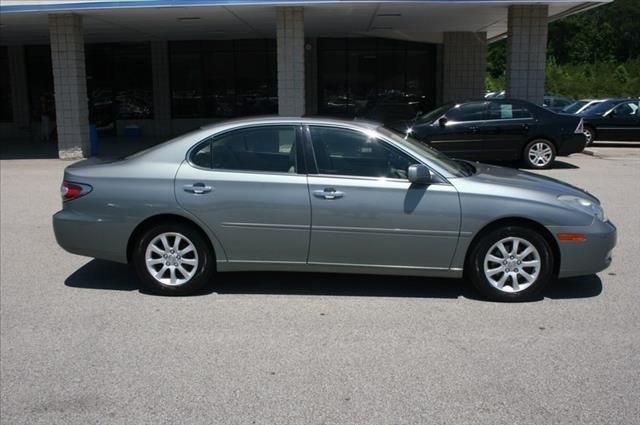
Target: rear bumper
590	256
91	236
573	143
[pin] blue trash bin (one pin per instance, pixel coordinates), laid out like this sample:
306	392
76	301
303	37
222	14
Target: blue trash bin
93	139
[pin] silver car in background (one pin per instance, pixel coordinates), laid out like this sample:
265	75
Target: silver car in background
321	195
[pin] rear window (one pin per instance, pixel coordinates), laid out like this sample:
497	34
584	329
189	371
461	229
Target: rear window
265	149
507	111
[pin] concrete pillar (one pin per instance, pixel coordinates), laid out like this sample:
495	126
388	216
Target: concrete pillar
19	89
311	75
291	78
439	75
70	85
464	66
527	52
161	88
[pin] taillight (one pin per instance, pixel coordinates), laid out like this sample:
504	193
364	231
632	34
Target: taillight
70	190
580	127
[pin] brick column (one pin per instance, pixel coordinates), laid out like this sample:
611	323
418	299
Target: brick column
70	85
291	78
311	75
19	90
465	64
161	88
527	52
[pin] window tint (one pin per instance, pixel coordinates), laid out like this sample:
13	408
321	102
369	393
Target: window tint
505	111
270	149
351	153
626	109
473	111
202	157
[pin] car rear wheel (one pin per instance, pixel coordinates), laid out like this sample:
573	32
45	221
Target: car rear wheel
511	264
589	135
173	259
539	154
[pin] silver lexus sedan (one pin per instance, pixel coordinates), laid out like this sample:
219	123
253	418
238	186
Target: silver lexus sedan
321	195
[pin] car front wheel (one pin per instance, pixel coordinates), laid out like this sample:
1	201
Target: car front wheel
173	259
539	154
511	264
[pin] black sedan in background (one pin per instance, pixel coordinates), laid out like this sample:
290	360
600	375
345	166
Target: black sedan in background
498	129
612	119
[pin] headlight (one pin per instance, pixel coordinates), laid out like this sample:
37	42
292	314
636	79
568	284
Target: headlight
585	205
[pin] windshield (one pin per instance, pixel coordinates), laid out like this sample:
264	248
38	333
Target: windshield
435	114
600	108
574	107
456	168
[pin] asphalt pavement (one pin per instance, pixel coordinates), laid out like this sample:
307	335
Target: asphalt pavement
81	344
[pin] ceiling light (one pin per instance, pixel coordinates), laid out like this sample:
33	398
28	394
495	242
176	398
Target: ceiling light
189	18
389	15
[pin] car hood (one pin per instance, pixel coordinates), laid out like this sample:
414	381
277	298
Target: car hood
525	182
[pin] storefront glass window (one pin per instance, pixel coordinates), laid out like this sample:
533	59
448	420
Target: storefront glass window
6	109
223	78
119	82
377	79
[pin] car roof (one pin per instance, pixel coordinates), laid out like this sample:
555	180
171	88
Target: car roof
274	119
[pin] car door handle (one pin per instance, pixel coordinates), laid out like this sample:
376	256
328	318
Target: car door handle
197	188
525	126
328	193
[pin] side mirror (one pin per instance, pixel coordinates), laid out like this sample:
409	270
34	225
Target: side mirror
420	174
442	122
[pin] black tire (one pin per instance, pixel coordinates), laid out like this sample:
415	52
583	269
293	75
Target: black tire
205	260
528	153
589	134
476	259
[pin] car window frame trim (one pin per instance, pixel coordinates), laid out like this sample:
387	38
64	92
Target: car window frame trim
309	143
209	139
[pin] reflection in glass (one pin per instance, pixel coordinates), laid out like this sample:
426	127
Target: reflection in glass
378	79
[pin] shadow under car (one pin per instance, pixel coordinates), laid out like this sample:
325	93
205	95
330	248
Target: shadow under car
105	275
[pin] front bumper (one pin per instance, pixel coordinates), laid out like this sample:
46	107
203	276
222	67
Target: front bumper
586	257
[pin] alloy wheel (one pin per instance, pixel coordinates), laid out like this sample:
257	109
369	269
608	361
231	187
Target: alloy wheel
588	134
512	264
540	154
171	259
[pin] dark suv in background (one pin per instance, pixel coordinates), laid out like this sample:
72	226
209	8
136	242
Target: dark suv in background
498	129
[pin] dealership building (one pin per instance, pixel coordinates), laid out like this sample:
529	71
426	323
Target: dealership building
158	68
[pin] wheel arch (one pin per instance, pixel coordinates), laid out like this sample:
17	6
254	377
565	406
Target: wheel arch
154	220
517	221
544	137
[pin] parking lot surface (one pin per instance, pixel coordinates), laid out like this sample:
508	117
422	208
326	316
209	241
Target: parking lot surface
81	344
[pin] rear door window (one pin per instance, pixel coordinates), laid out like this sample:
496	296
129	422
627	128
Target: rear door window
507	111
265	149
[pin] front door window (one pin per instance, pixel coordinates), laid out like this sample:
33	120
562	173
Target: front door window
351	153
